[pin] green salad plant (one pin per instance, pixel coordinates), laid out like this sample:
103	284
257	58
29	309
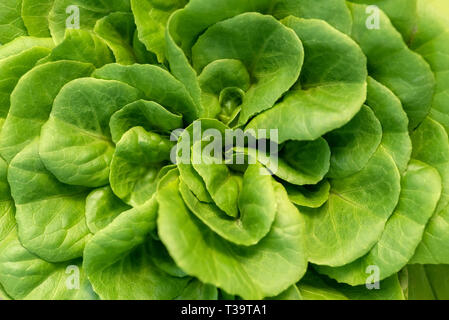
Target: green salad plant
224	149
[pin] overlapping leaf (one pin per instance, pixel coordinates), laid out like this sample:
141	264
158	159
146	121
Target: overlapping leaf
101	196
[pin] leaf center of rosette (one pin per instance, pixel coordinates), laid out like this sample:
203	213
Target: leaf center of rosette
253	52
236	201
230	100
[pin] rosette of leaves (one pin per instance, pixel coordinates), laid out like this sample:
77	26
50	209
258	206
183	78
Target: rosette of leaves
238	218
351	109
355	90
83	97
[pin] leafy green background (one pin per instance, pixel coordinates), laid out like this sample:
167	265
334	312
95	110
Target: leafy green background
87	181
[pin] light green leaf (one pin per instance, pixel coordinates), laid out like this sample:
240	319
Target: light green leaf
394	65
147	114
49	214
196	290
151	19
431	146
292	293
102	207
257	209
431	41
353	219
238	270
402	13
272	54
180	66
297	162
314	291
313	196
7	209
11	23
143	56
82	46
75	143
315	287
184	156
12	69
222	185
135	165
186	25
3	294
331	90
25	276
156	84
428	282
434	247
225	73
163	261
120	254
32	100
117	30
89	13
35	16
199	15
354	144
420	192
389	289
223	83
388	110
21	44
302	162
334	12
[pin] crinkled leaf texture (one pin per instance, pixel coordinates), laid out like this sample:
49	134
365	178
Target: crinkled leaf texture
101	193
238	270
